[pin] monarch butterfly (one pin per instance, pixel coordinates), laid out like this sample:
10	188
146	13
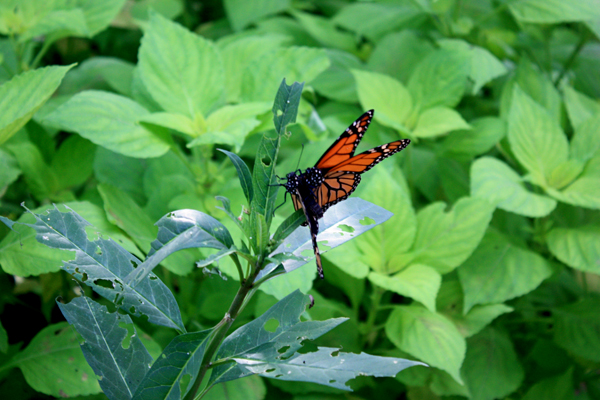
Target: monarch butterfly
335	176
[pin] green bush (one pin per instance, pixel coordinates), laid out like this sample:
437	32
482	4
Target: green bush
487	271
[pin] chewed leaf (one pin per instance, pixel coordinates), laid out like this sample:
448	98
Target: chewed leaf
103	265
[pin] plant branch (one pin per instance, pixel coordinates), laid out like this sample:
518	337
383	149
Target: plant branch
571	59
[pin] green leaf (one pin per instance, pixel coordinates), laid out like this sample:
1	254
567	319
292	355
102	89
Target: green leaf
438	121
485	133
337	82
40	178
57	24
585	143
478	318
177	122
251	388
103	265
73	162
289	225
114	353
99	15
445	240
24	94
111	121
439	80
324	31
579	107
484	66
182	71
10	172
576	327
173	373
491	351
497	183
417	281
295	64
535	139
242	13
554	11
285	106
428	336
125	173
53	363
387	96
243	173
585	191
499	270
556	387
579	248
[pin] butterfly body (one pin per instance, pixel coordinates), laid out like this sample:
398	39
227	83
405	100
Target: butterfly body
336	175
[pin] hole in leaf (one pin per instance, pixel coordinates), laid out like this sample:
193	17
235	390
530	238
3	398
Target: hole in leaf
271	325
346	228
283	349
98	250
84	277
270	370
126	342
335	353
266	161
163	356
153	277
332	381
184	382
133	263
132	310
105	283
278	376
367	221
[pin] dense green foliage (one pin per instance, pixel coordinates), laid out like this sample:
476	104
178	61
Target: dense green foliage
487	272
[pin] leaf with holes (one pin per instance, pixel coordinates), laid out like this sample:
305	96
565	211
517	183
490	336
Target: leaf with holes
103	265
114	352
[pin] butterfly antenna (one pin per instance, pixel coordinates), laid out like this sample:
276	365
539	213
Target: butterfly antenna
300	158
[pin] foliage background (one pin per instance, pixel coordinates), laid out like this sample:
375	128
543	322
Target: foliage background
489	269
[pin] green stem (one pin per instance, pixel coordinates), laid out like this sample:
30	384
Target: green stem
582	41
40	54
376	297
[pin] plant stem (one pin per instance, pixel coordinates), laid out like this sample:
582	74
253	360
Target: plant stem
571	59
375	302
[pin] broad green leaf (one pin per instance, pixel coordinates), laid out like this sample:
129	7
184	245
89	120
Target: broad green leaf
24	94
299	64
111	121
10	171
478	318
499	270
398	53
324	31
173	373
492	352
99	15
556	387
242	12
238	53
40	178
579	248
250	388
177	122
485	133
22	255
535	139
243	173
73	162
585	191
442	384
299	279
182	71
285	106
585	143
497	183
483	65
417	281
373	20
121	171
565	173
454	177
337	82
427	335
438	121
387	96
57	24
439	80
53	363
114	353
579	107
554	11
445	239
388	189
576	326
103	265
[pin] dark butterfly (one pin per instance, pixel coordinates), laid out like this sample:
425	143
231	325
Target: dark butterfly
335	176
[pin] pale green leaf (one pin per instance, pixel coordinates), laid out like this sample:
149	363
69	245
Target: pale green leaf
579	107
554	11
59	23
99	14
485	133
499	270
418	281
496	182
242	12
182	71
111	121
579	248
10	171
429	336
178	122
565	173
438	121
324	31
337	81
24	94
535	139
478	318
585	191
585	143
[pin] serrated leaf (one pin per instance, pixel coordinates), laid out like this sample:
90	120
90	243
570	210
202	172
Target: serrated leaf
182	71
427	335
243	174
491	351
388	96
579	248
438	121
496	182
499	270
111	121
179	363
103	265
120	366
56	345
535	139
24	94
